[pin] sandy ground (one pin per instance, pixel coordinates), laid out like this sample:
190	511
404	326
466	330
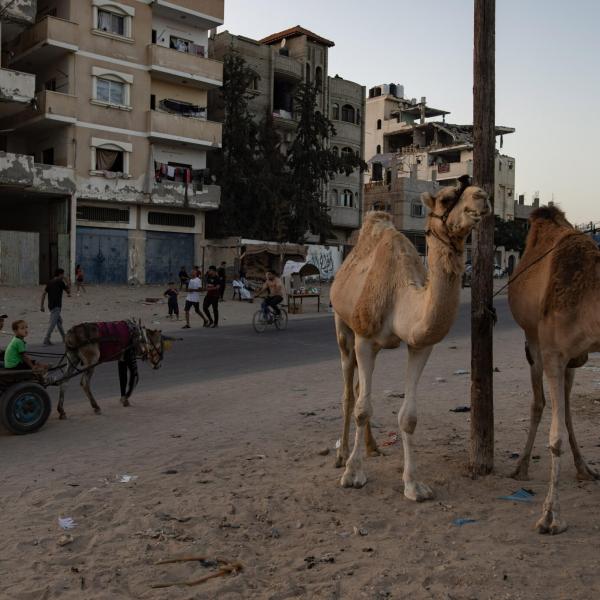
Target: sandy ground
242	468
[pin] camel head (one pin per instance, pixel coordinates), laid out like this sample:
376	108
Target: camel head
454	211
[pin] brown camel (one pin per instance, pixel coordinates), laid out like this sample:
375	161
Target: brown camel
383	295
553	296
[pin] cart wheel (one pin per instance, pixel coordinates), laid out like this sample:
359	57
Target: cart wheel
282	319
24	407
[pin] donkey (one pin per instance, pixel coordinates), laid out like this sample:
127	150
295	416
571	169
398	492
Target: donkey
90	344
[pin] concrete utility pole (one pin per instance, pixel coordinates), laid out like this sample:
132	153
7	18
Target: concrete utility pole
482	286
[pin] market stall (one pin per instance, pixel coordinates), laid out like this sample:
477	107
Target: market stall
297	278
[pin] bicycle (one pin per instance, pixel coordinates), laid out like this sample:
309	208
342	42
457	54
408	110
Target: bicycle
266	316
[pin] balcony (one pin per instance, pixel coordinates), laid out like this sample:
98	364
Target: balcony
287	66
347	133
18	171
454	170
44	43
50	109
202	197
211	16
181	67
16	90
342	216
172	128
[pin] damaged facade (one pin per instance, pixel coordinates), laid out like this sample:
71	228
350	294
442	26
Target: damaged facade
107	161
284	60
398	133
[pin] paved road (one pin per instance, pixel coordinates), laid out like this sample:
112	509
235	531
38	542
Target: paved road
236	350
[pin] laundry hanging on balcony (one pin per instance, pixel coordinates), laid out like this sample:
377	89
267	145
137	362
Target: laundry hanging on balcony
186	46
184	109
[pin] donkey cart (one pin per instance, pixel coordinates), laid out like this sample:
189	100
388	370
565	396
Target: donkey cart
24	403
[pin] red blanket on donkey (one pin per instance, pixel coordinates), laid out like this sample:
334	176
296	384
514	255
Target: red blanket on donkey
114	339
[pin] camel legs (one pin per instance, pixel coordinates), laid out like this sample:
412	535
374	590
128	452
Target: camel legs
345	337
536	407
366	351
584	472
550	521
407	421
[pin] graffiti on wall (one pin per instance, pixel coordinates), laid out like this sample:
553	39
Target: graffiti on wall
327	259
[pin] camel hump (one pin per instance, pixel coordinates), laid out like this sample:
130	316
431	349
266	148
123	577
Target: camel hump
548	213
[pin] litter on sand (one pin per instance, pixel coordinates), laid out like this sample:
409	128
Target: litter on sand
66	523
126	478
461	372
225	568
392	439
461	521
338	443
521	495
460	409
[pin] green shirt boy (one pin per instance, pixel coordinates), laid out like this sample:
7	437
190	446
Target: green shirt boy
13	355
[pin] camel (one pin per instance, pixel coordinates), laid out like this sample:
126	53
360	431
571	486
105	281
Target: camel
383	295
553	296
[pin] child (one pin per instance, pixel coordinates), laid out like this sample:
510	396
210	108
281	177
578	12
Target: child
79	278
15	356
183	278
172	294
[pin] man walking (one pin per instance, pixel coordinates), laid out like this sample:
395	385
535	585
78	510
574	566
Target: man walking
192	299
222	273
213	291
54	290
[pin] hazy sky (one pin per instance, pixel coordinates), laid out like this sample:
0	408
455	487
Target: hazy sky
547	73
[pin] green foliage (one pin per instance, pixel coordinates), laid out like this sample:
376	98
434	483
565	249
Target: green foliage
510	234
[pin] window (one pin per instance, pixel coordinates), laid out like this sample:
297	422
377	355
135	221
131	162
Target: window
48	156
307	72
101	213
335	112
347	152
378	151
171	219
112	18
348	113
110	157
112	92
417	210
154	36
152	101
358	116
50	85
111	22
334	198
347	199
111	87
319	78
336	150
378	123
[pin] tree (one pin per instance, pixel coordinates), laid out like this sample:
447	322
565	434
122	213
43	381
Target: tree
312	164
510	234
235	164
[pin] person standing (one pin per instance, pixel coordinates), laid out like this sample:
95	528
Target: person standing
192	299
222	273
213	293
183	277
173	303
54	290
79	278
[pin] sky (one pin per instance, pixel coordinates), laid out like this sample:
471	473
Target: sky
547	73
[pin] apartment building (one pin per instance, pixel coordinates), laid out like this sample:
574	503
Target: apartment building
434	150
284	60
108	162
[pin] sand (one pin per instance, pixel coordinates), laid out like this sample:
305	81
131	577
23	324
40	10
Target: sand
242	469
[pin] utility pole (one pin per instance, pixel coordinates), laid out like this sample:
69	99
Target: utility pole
481	461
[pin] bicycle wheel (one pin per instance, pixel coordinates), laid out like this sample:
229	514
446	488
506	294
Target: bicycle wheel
259	322
281	320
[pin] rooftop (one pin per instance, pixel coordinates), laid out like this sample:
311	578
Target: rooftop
296	32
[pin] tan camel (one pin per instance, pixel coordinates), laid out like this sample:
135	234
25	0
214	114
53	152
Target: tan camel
553	296
383	295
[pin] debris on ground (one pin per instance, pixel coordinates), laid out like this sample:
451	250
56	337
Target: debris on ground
226	568
66	523
440	380
308	413
461	409
521	495
360	531
461	372
126	478
65	539
392	439
462	521
392	394
324	452
312	561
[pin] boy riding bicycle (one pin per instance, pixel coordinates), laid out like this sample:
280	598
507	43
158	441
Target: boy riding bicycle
276	293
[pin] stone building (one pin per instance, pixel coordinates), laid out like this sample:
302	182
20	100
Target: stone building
105	164
281	62
435	150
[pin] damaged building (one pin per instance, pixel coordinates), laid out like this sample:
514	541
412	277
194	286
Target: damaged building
398	131
284	60
103	161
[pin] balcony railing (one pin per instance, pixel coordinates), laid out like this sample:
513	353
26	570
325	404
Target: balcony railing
175	128
62	36
172	64
16	90
286	65
50	106
342	216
